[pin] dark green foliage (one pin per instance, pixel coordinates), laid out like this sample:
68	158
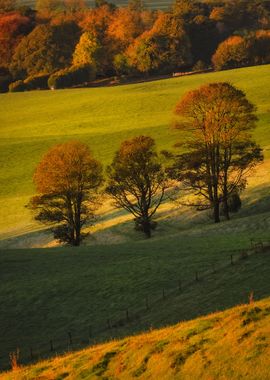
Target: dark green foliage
199	66
73	76
234	203
17	86
46	49
37	82
5	79
137	181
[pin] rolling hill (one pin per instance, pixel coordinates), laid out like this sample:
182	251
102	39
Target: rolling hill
231	345
102	117
118	283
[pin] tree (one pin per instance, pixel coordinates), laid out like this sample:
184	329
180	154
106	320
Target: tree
7	5
220	152
46	49
67	180
125	26
90	51
163	48
13	26
233	52
137	181
136	5
75	6
46	7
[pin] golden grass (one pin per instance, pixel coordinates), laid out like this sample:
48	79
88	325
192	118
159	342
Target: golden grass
234	344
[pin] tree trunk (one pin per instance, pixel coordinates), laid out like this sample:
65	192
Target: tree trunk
216	211
226	209
147	228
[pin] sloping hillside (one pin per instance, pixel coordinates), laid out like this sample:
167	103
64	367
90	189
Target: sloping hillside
102	118
231	345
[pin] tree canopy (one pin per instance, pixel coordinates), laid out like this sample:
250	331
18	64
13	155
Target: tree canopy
217	119
67	180
137	181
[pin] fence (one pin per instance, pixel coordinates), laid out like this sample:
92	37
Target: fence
112	327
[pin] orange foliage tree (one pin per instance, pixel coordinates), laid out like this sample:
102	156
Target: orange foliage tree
220	151
13	26
233	52
67	180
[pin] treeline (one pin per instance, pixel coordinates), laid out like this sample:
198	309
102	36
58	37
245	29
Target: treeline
60	37
211	165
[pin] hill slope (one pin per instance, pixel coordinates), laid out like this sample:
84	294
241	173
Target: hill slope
231	345
102	117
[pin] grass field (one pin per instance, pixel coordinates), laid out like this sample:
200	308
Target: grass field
154	4
102	117
231	345
46	293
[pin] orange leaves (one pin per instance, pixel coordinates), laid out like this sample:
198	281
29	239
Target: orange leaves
65	167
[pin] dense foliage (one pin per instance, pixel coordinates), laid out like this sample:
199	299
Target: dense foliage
220	152
132	40
65	180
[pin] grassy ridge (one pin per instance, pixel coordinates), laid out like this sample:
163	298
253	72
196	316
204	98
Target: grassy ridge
230	345
54	291
102	117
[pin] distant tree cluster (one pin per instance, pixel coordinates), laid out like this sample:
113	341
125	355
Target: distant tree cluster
218	156
131	40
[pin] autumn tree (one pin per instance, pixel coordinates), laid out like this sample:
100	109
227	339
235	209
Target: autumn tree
13	27
136	5
219	152
163	48
238	15
74	6
90	51
46	49
231	53
137	181
67	180
95	41
46	8
7	5
126	25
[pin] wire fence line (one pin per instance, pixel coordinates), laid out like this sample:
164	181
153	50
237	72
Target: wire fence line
111	328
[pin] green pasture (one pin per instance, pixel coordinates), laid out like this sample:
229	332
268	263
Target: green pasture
32	122
47	293
154	4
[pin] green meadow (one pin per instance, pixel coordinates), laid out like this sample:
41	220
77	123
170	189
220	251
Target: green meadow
102	117
46	293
